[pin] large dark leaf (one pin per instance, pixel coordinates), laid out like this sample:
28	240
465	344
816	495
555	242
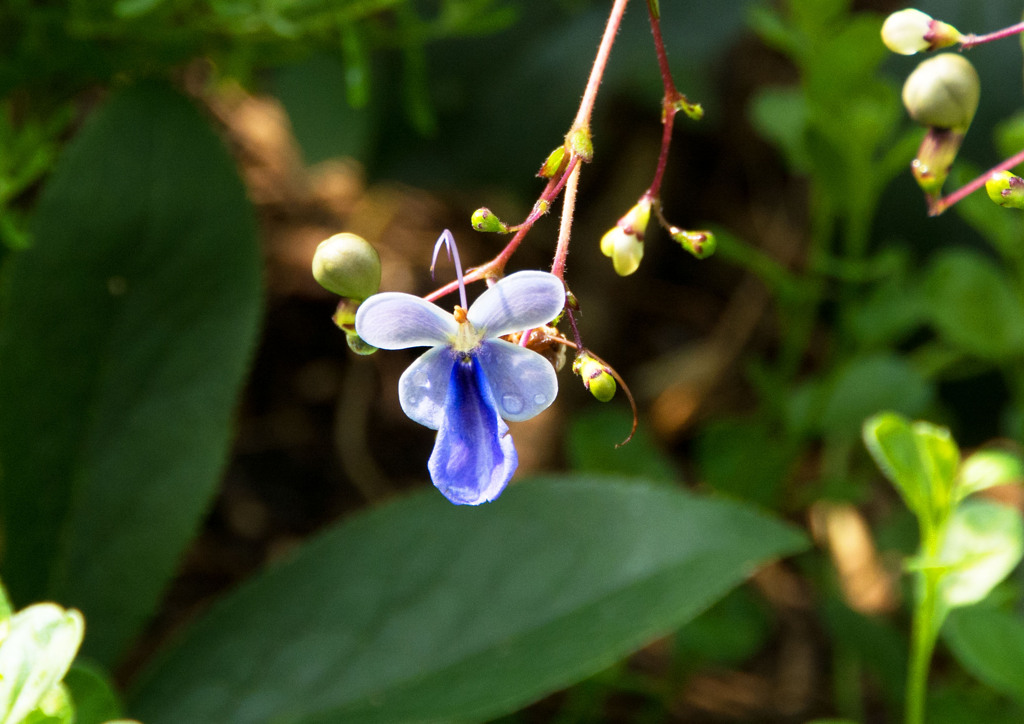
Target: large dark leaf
124	339
423	611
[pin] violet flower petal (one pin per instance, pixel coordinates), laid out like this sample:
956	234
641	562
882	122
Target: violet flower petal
522	382
520	301
423	386
393	320
473	457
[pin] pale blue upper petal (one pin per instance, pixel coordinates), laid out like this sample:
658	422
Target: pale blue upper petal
520	301
473	457
393	320
522	382
423	386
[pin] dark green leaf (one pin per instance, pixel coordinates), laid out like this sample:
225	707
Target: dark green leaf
865	386
423	611
973	306
990	644
125	336
725	450
592	440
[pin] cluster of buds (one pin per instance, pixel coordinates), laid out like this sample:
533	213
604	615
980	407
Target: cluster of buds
942	94
347	265
624	242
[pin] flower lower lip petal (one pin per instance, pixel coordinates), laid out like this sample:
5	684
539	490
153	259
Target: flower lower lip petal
473	457
522	382
423	387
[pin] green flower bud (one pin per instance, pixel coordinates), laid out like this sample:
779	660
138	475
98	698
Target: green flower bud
483	219
934	159
357	345
347	265
943	92
694	111
1006	189
554	163
580	144
596	377
910	31
624	242
345	315
701	244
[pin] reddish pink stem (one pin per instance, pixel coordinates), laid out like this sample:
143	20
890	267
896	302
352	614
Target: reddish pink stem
970	40
936	208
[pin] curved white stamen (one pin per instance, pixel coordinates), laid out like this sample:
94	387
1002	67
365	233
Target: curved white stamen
446	239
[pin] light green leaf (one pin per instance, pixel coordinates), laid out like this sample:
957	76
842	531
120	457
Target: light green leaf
989	643
125	334
919	459
986	469
34	656
424	611
983	543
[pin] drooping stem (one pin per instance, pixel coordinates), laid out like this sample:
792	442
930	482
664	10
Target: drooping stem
671	104
937	207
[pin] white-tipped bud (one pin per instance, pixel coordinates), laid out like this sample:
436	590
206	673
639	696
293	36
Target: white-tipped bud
910	31
624	242
943	92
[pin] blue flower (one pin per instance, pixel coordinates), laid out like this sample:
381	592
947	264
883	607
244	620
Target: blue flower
470	382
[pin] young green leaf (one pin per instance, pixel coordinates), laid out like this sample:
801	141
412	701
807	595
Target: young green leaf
983	543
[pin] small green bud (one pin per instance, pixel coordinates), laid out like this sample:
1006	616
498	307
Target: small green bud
910	31
624	242
357	345
347	265
580	143
345	315
943	92
596	377
554	163
695	111
484	219
701	244
1006	189
934	158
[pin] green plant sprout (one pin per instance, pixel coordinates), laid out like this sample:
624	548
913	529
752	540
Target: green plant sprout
968	545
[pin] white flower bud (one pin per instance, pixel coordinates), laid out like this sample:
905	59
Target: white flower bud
910	31
943	92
